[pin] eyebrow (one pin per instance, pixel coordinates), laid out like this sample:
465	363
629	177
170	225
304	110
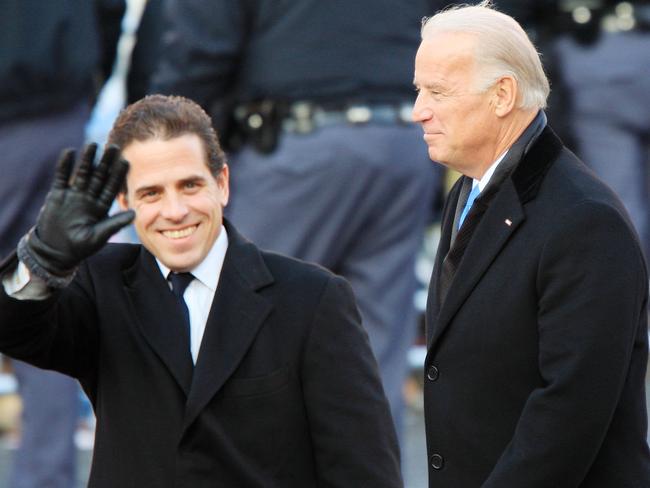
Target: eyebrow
192	179
189	179
429	86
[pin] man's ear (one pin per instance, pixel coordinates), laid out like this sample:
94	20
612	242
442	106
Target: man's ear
223	181
122	201
505	93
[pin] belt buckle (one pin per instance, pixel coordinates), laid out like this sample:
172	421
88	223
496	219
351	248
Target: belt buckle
358	114
302	117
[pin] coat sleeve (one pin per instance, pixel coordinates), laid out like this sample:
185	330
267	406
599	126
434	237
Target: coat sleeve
592	297
56	333
352	431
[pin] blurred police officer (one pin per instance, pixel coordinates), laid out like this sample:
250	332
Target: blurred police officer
314	98
604	55
52	55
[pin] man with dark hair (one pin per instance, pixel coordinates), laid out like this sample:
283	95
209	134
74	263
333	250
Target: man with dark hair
208	361
166	118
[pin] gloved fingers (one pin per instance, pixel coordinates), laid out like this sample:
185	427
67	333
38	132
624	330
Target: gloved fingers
102	171
85	168
118	172
104	229
63	169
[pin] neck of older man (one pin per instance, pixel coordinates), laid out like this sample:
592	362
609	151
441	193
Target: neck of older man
509	130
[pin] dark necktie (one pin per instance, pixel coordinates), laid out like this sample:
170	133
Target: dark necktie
180	281
452	259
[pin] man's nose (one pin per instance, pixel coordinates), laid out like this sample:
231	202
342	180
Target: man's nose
420	111
174	207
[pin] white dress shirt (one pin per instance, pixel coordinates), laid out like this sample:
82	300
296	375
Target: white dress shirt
200	292
482	183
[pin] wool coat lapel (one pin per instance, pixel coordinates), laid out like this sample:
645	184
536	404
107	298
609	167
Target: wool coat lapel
446	233
489	238
159	317
500	221
235	316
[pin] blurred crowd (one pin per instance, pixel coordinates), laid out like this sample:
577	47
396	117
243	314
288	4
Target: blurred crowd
312	104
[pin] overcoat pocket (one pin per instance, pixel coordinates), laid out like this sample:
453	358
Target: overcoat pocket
259	385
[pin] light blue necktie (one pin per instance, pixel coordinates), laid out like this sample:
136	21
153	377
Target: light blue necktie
470	200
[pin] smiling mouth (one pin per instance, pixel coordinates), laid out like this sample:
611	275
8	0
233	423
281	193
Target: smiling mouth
180	233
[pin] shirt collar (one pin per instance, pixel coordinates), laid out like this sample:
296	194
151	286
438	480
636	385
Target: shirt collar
482	183
205	271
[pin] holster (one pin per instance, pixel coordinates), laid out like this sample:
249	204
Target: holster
257	123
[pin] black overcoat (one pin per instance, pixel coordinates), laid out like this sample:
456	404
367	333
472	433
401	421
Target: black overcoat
534	376
285	392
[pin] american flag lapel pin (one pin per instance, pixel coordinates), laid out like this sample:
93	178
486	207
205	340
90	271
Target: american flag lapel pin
508	222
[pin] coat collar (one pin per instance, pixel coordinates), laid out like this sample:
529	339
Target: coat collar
235	316
158	317
504	169
502	218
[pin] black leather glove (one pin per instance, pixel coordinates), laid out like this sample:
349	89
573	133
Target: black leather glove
73	222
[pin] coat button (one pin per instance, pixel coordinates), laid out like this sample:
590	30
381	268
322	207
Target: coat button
436	461
432	373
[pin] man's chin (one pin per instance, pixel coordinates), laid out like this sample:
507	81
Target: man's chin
435	156
175	261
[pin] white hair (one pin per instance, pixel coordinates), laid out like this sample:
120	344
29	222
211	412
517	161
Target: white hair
502	48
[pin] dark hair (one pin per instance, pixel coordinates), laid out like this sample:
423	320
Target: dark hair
165	117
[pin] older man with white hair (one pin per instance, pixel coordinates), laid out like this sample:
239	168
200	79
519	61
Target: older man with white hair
537	310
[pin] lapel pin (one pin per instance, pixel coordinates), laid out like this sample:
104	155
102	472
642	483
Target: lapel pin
508	222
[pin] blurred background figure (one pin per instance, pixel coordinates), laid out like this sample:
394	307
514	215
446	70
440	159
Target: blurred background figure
53	56
596	54
603	47
313	101
137	54
542	23
136	57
